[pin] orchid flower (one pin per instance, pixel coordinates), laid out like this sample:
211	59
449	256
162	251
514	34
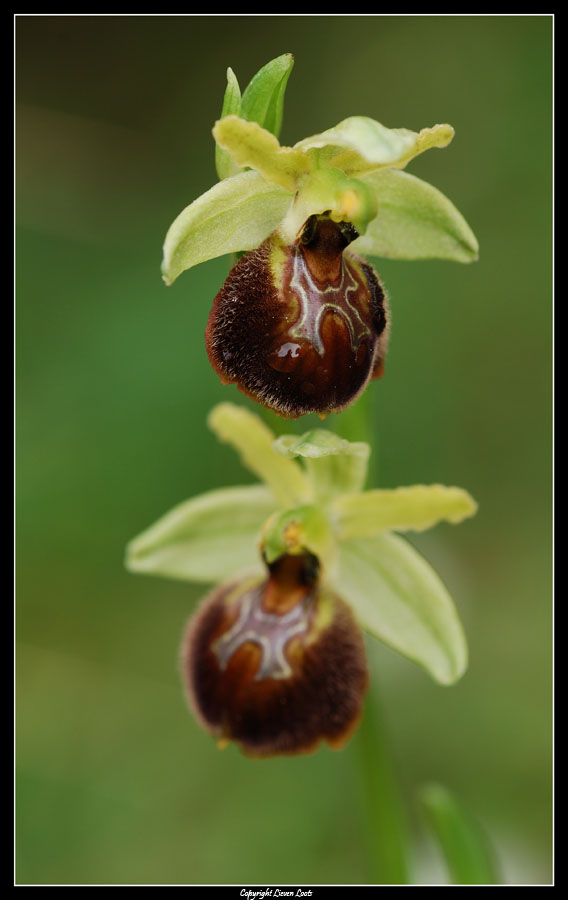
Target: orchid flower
301	324
304	561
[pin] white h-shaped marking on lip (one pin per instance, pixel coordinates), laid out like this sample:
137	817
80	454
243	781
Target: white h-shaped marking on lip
280	630
310	331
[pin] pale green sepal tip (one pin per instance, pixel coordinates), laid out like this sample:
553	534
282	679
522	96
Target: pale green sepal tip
235	214
224	162
402	509
263	99
414	221
253	440
397	596
208	538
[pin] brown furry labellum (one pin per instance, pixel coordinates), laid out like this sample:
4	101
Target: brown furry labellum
276	664
300	328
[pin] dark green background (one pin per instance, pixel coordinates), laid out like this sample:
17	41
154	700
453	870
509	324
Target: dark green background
116	782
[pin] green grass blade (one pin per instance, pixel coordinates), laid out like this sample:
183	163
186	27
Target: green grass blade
467	849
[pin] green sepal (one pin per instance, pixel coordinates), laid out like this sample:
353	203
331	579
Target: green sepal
467	850
263	99
359	144
235	214
294	531
402	509
414	221
253	440
398	597
208	538
224	162
334	465
251	145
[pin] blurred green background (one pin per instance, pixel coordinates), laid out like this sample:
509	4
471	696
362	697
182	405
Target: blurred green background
116	782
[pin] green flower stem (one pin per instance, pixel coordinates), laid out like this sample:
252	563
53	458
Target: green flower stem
354	423
386	831
387	844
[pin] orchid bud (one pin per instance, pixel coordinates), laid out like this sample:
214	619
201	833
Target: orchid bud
301	328
276	664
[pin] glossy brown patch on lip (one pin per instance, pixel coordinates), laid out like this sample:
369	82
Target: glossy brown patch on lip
275	683
298	328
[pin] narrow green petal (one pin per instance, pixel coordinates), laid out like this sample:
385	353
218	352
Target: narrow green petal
251	145
236	214
360	144
436	136
263	99
253	440
399	598
208	538
468	852
403	509
334	465
414	221
224	162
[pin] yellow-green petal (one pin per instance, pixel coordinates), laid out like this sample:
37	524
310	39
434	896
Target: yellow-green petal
402	509
397	596
251	145
253	440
